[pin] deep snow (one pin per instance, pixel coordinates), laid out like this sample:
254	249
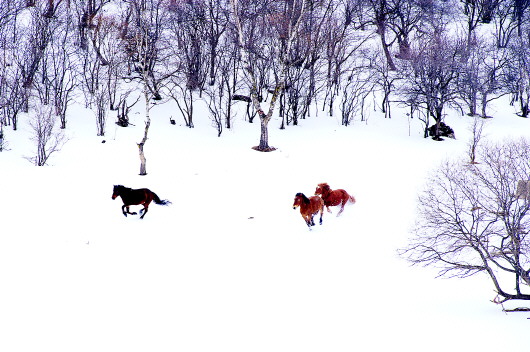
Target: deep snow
230	266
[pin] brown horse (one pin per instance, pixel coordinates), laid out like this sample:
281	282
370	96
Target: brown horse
135	197
309	207
333	197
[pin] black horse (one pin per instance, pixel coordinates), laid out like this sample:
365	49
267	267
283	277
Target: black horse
136	196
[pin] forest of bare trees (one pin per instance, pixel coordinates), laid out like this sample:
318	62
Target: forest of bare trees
288	57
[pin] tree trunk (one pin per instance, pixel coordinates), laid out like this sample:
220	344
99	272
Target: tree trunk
249	72
381	29
143	169
484	104
264	138
473	103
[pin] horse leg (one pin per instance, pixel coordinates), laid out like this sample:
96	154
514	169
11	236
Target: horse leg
307	221
321	212
149	197
342	204
143	211
312	220
327	207
123	210
126	210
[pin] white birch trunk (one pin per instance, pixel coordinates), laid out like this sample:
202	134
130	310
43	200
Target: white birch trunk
143	160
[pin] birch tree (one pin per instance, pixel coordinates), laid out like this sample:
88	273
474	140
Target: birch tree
146	47
286	23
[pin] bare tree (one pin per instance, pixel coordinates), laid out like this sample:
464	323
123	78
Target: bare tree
305	75
10	71
146	47
178	90
86	11
481	78
380	11
38	34
286	20
124	107
9	10
219	95
94	78
217	20
510	17
477	12
357	88
340	46
477	127
430	77
59	68
3	142
106	43
188	24
12	100
471	220
47	138
404	21
146	43
516	73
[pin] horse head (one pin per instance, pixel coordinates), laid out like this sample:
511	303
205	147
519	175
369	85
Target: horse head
299	199
321	189
116	191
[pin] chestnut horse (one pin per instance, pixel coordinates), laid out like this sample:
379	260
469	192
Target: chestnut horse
309	207
333	197
135	197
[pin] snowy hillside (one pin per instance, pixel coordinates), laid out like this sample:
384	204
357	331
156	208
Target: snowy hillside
230	266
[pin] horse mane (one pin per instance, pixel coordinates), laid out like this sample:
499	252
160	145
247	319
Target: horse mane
324	186
304	198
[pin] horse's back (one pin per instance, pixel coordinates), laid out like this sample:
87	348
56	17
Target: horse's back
138	196
317	203
336	197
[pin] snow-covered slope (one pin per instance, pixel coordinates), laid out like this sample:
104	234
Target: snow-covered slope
230	266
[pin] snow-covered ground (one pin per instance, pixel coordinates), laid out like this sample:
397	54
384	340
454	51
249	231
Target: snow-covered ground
230	266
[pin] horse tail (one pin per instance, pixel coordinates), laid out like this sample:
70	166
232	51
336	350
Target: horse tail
352	199
159	201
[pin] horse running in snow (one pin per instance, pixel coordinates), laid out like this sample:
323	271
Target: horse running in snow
333	197
141	196
309	207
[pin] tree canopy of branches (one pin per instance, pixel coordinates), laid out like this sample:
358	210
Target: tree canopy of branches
432	74
280	57
475	218
285	18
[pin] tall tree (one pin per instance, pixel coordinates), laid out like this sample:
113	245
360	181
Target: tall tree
146	47
380	11
517	73
430	77
285	17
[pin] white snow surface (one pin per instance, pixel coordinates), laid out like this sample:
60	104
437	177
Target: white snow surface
229	265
